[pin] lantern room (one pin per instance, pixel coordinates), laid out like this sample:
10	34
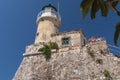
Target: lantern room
47	12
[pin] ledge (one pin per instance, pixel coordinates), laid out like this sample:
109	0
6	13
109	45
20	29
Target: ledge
32	54
68	32
54	50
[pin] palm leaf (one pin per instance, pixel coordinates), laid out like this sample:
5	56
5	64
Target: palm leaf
113	5
95	5
102	7
85	7
94	9
116	34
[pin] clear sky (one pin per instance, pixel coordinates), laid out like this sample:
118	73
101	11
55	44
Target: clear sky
18	28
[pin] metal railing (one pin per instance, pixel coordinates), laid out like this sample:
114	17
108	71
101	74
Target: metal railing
114	49
50	12
96	40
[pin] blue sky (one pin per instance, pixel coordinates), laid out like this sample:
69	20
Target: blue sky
18	28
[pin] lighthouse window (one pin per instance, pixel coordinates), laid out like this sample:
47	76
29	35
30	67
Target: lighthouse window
66	41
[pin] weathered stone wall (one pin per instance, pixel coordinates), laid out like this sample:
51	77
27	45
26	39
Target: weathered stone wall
71	63
44	31
76	38
33	48
98	46
83	39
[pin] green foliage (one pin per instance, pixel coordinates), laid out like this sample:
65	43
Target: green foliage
46	49
91	53
85	7
107	75
96	5
116	34
99	61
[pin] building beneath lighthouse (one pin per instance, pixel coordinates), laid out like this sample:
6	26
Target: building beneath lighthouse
34	66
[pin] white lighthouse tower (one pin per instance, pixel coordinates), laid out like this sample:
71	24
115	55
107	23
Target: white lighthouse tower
48	22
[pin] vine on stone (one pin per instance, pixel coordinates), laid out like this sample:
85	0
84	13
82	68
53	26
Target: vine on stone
107	75
46	49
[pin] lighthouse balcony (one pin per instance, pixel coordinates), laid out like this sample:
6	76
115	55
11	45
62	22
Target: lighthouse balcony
48	13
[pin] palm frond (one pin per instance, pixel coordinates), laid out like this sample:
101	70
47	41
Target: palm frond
116	34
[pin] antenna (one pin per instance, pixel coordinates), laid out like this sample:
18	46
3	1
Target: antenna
59	10
58	5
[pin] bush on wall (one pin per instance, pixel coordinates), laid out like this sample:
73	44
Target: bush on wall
46	49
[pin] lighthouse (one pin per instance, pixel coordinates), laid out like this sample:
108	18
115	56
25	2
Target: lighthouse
72	46
48	23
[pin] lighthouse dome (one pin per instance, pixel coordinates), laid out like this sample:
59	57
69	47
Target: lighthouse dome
49	6
48	11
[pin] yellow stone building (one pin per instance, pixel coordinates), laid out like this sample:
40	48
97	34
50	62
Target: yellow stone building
48	23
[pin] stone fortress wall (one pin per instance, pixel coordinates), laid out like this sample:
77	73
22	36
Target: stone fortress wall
75	59
70	63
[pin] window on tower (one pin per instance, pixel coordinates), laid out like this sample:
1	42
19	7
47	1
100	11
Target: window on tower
37	34
66	41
